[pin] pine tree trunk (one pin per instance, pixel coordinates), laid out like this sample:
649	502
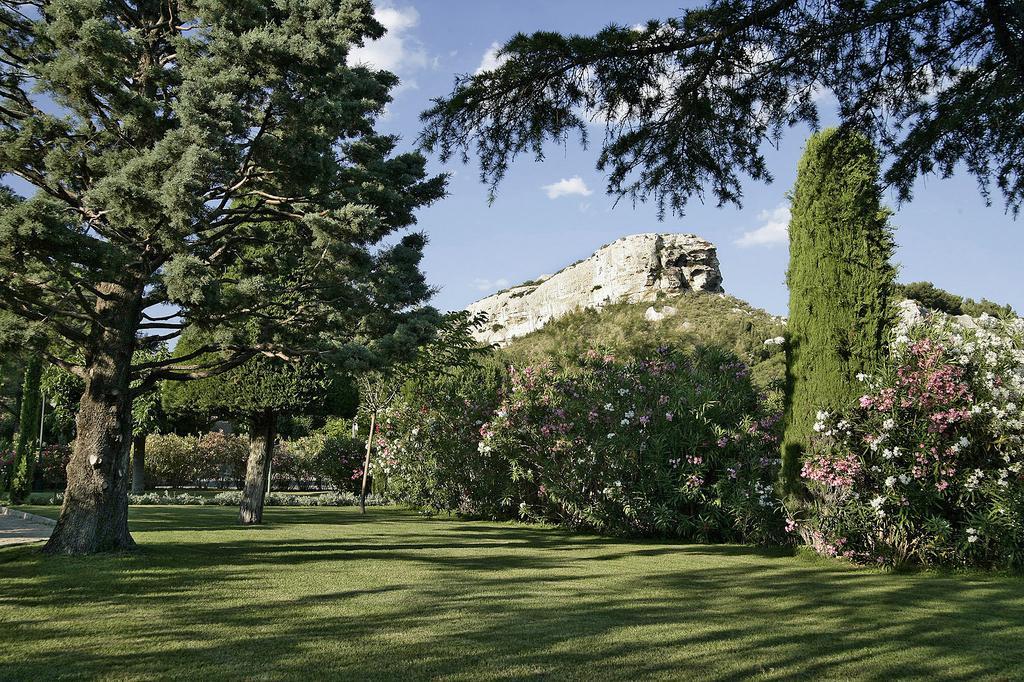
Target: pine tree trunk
366	464
139	464
262	434
94	517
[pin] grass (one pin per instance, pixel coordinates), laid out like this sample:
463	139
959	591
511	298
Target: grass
324	593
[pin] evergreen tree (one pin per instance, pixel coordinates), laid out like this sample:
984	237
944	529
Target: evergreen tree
168	143
841	283
28	432
689	101
260	393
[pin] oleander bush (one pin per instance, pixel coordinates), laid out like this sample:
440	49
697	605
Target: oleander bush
672	444
676	444
328	457
180	461
51	467
928	466
428	452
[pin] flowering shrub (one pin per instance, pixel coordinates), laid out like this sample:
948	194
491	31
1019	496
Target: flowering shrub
428	452
51	468
7	455
673	445
179	461
928	466
329	456
223	456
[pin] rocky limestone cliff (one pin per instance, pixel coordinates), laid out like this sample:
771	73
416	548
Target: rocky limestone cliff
631	269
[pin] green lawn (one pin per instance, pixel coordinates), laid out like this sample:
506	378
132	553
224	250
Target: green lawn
322	592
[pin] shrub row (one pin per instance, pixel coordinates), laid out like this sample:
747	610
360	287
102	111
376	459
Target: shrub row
674	444
328	458
232	499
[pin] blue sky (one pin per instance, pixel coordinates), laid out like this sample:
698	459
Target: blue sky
550	214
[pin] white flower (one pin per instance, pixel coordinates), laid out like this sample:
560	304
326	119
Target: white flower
972	535
904	479
963	442
861	376
623	391
608	407
890	482
888	424
611	435
629	414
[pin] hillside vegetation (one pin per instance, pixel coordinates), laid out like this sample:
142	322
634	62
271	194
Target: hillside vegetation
700	319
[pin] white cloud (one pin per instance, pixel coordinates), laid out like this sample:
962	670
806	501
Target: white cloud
398	51
490	285
773	231
491	60
567	187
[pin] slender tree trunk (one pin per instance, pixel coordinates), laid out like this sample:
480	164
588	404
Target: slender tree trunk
366	464
139	464
94	517
262	434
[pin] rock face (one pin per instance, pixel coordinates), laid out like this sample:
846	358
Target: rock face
631	269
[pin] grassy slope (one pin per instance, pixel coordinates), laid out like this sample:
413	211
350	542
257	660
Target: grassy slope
703	319
324	593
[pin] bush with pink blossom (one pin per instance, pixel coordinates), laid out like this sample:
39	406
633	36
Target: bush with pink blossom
428	447
928	466
673	445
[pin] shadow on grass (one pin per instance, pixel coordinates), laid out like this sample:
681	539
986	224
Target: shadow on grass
324	594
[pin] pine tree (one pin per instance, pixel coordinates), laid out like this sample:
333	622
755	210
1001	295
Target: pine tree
171	147
688	101
28	432
840	281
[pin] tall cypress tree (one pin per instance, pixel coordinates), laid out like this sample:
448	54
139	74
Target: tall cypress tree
840	282
28	431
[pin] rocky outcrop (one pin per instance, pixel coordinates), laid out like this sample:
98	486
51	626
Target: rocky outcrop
632	269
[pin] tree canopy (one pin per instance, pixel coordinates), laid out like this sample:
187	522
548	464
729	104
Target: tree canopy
688	103
208	165
176	134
